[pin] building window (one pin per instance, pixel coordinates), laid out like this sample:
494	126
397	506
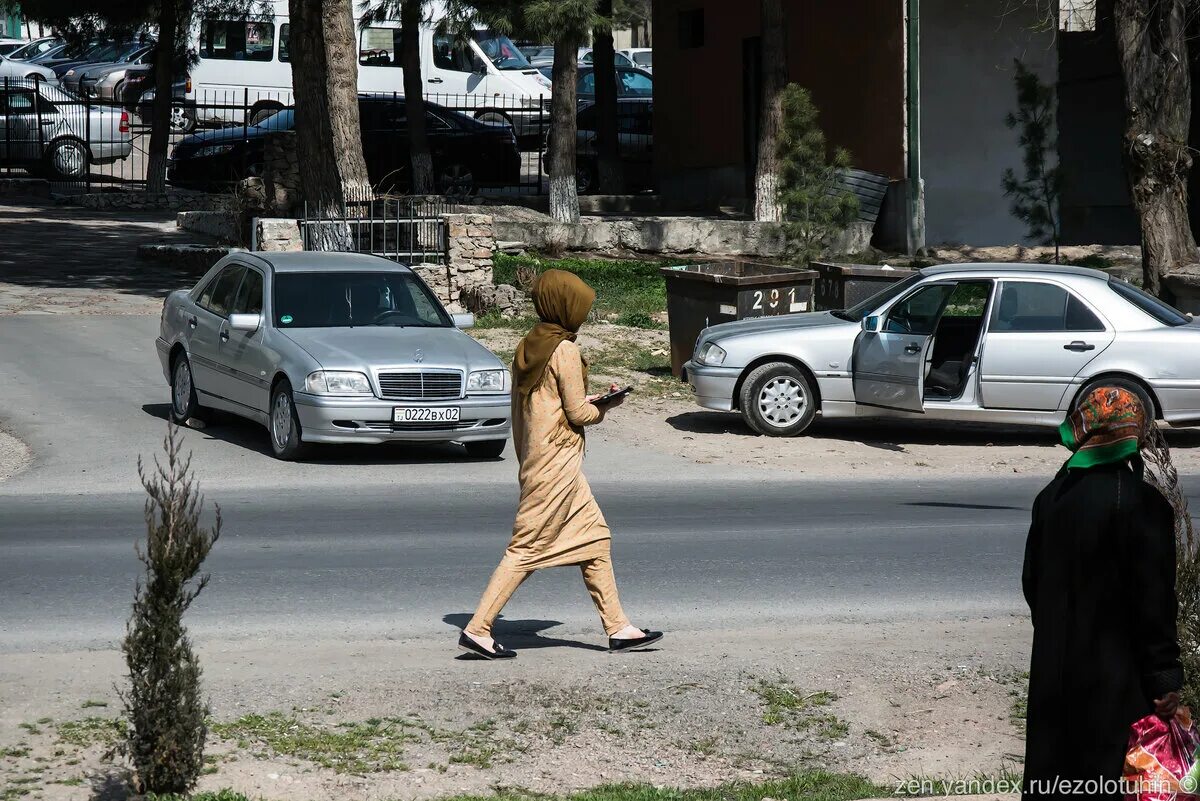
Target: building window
1077	15
691	28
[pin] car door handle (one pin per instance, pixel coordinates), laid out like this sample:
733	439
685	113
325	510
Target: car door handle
192	321
1079	347
435	80
912	348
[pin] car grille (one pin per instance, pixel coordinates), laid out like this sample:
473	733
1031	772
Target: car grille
422	385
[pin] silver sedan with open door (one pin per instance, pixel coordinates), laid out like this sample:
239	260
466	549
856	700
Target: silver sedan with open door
991	343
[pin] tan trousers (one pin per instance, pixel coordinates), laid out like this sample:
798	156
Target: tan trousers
597	576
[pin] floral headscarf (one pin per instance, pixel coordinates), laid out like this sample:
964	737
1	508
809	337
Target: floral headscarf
1109	425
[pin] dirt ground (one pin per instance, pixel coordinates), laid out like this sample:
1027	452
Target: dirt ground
891	701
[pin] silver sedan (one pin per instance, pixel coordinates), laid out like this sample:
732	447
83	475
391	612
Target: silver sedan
992	343
333	348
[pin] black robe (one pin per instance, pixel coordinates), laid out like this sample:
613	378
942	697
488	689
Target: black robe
1099	578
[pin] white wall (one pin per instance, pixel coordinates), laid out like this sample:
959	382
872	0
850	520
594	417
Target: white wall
967	52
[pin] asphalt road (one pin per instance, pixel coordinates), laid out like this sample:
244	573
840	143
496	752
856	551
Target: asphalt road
398	542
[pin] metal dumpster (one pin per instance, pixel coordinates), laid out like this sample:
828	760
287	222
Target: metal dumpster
840	286
700	295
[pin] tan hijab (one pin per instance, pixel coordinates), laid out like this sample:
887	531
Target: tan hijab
562	301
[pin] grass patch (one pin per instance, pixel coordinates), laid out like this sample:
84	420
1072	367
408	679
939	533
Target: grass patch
808	785
15	752
91	731
784	705
627	292
373	746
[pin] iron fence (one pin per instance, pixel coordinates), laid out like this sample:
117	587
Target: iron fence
91	142
411	230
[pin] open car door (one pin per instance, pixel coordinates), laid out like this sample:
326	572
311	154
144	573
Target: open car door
889	353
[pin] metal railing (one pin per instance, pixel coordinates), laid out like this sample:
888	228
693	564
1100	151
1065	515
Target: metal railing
411	230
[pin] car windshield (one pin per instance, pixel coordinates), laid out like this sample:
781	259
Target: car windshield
347	300
501	51
858	312
1163	312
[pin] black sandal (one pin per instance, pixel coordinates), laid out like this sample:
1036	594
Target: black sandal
635	643
472	647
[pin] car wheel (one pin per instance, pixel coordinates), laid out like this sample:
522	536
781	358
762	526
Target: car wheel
1123	383
284	424
485	449
184	405
585	179
183	120
455	179
67	159
778	400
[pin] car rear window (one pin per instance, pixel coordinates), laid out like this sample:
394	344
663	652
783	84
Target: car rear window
1163	312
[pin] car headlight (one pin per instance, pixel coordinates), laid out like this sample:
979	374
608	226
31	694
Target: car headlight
337	382
711	354
214	150
487	381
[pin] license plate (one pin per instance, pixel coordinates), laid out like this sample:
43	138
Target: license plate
425	414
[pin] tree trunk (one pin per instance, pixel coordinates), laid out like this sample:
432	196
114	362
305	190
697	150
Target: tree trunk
774	79
160	119
609	172
324	57
1151	41
414	97
564	202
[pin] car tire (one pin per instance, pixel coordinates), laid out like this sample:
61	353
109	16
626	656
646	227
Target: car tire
585	178
1123	383
67	159
486	448
283	425
778	400
184	405
456	179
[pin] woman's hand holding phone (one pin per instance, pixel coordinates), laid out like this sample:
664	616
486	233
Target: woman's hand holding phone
611	403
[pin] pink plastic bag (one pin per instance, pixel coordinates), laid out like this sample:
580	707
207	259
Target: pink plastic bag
1161	763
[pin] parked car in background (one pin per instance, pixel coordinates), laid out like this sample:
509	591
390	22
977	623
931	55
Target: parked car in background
45	129
538	54
467	153
642	57
79	78
620	59
631	82
35	48
331	348
24	70
7	45
137	94
982	343
101	52
635	144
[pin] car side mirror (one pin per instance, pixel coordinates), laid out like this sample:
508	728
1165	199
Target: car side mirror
872	324
245	322
463	320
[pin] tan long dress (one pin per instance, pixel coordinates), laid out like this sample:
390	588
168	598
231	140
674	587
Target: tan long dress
558	520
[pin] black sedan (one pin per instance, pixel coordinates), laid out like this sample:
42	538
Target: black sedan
467	153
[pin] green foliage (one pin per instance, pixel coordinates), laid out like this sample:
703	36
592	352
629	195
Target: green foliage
816	206
629	292
1035	195
165	738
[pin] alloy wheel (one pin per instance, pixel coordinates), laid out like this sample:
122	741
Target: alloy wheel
456	179
281	421
181	394
69	159
782	401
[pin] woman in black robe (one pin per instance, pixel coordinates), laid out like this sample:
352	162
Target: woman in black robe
1099	578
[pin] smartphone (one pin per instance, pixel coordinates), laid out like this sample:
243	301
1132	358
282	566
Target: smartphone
611	396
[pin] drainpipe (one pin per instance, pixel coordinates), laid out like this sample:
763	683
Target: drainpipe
916	186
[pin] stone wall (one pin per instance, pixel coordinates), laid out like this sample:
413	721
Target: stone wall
171	200
281	174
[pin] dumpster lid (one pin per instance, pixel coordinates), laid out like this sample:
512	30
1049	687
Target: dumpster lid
739	273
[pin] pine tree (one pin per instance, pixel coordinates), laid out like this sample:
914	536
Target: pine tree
1035	197
816	205
165	738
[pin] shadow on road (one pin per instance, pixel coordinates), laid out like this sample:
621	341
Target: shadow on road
519	634
251	436
895	434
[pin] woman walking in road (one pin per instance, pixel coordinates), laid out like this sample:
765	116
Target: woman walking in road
558	521
1099	578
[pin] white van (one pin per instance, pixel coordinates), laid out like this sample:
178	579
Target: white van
244	65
